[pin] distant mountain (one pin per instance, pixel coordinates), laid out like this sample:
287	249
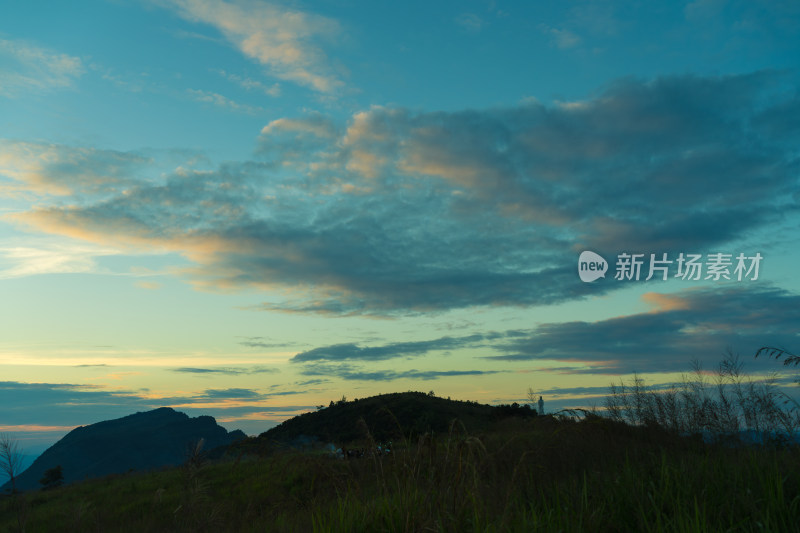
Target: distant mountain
142	441
387	417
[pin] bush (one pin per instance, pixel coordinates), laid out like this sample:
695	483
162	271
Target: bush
720	408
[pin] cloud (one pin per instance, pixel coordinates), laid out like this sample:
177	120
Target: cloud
561	38
232	371
295	142
45	256
349	351
282	39
62	170
353	373
574	391
221	101
311	382
693	324
65	404
252	85
665	302
699	324
315	125
260	342
149	285
232	394
41	413
470	22
600	18
26	67
412	212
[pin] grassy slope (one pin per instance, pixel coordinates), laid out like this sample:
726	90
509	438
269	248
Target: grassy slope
519	475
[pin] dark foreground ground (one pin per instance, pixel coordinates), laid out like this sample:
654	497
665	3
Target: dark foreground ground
521	474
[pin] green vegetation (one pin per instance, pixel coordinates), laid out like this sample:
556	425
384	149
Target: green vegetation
488	469
722	406
389	417
52	478
541	474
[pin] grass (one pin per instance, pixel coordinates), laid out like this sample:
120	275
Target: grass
542	474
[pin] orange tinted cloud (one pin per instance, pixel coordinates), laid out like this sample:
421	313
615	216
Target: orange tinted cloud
36	428
664	302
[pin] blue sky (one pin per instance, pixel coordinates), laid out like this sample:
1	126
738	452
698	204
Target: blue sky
249	208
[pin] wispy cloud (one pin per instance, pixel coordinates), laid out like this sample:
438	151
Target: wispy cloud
356	373
470	22
349	351
232	394
254	369
149	285
261	342
283	40
311	382
251	84
221	101
43	256
25	67
559	37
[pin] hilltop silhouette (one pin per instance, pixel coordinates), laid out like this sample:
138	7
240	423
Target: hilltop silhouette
141	441
386	417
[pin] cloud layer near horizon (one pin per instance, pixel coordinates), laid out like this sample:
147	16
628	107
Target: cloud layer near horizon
400	211
65	404
692	325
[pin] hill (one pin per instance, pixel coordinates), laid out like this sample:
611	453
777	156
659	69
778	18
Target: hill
547	473
142	441
387	417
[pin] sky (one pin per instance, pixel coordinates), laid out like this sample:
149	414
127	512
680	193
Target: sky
247	209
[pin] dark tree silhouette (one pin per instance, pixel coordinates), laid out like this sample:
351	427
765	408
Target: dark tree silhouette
52	478
10	458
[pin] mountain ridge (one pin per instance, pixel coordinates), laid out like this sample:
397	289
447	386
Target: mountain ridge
141	441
